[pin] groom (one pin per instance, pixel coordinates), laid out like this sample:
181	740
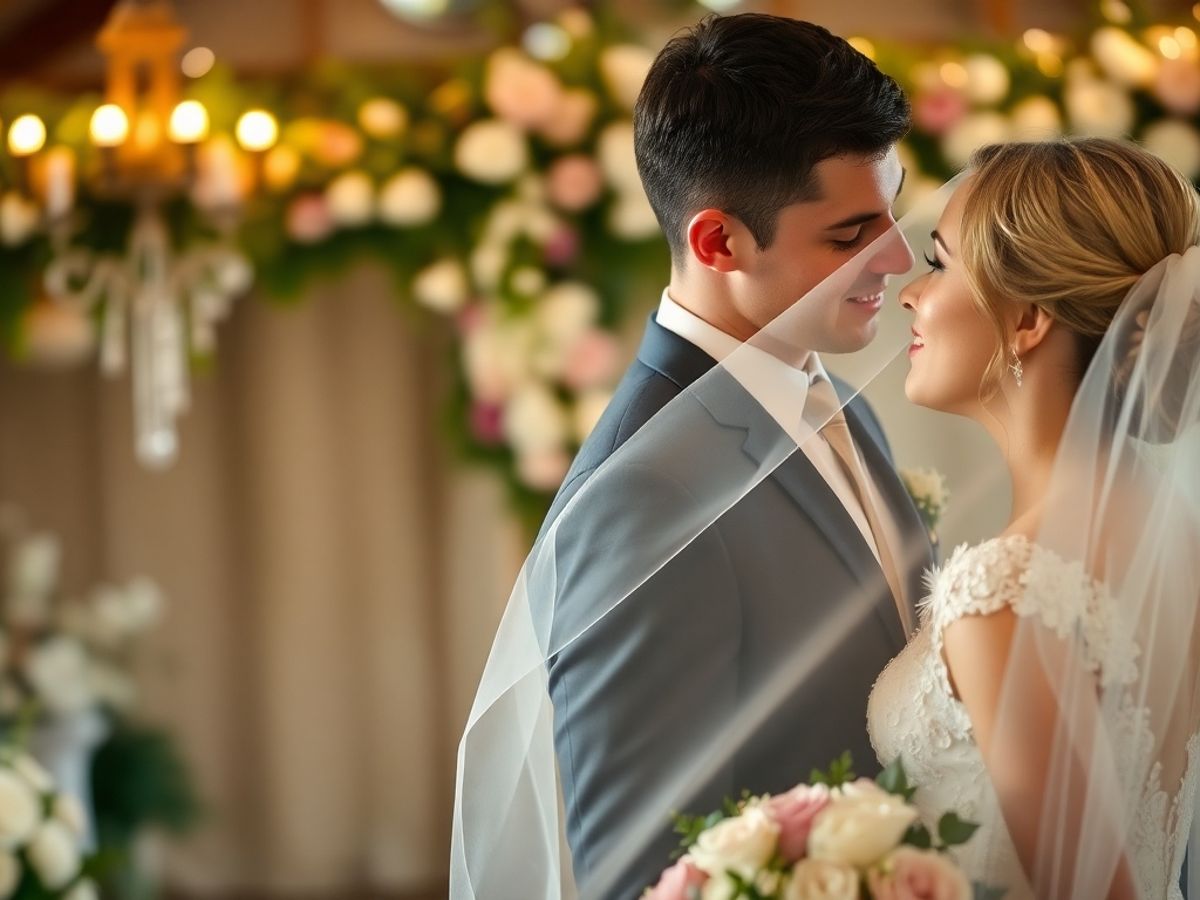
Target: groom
767	149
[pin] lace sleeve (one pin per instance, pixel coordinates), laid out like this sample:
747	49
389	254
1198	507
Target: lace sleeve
1031	580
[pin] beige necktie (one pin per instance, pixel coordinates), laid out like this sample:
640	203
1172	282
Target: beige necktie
822	410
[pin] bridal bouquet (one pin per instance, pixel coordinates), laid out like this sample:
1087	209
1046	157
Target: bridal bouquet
838	838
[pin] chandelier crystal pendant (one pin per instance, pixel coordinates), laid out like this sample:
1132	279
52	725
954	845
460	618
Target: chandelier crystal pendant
159	302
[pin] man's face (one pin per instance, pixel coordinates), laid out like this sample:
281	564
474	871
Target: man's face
850	222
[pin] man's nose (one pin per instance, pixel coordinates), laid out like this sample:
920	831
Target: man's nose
892	255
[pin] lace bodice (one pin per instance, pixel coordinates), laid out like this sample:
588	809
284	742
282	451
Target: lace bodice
914	714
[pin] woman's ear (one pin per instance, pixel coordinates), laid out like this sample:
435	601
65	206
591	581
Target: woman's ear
1031	329
714	241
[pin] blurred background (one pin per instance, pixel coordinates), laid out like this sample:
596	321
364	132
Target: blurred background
305	307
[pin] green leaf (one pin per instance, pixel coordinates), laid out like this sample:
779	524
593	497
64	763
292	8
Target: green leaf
841	771
954	831
918	836
894	780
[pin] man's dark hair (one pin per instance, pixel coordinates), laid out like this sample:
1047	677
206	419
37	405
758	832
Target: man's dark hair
737	111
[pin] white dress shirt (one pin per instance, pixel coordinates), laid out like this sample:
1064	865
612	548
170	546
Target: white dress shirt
781	390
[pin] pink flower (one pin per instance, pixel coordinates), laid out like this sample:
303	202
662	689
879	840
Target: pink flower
678	882
487	423
575	182
593	360
308	219
563	247
1178	86
937	111
795	812
912	874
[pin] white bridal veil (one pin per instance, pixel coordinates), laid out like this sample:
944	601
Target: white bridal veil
1102	748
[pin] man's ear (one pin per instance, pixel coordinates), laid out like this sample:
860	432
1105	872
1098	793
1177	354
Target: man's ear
712	240
1031	329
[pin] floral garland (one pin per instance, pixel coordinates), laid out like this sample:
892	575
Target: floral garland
505	196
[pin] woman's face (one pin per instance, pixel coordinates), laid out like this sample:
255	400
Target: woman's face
953	340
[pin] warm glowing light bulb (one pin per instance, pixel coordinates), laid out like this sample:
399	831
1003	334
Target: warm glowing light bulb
1169	48
257	130
189	122
1039	41
26	136
110	126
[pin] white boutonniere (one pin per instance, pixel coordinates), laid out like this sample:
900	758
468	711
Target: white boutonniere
929	493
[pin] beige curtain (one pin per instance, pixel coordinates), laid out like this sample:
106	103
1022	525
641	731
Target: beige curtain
334	579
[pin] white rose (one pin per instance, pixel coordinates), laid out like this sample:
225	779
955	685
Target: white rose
442	286
534	420
566	311
10	874
814	879
632	218
410	197
18	219
382	117
20	810
1098	108
1176	143
860	826
351	199
54	854
85	889
496	360
624	68
614	149
144	603
1036	119
572	119
492	151
34	773
58	672
988	80
741	844
68	810
33	565
110	620
1123	57
971	133
588	410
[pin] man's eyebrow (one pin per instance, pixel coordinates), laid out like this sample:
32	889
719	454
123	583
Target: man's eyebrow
864	218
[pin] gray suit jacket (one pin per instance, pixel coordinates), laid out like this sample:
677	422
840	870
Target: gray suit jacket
664	673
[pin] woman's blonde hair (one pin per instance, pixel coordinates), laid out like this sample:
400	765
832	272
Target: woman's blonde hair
1069	226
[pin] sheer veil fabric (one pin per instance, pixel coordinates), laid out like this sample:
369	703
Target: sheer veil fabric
508	825
1114	768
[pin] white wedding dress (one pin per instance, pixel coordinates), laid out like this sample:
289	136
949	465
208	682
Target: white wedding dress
913	713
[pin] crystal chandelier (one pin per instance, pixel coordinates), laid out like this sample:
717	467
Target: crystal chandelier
160	299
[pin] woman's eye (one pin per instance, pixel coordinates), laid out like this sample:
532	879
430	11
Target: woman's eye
934	263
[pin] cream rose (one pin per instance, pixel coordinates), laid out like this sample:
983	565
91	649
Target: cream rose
861	826
54	854
815	879
912	874
492	151
742	844
20	810
410	197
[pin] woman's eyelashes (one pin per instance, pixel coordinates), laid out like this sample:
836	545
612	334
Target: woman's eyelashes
935	264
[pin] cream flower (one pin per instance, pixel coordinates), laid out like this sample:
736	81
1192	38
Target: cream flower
534	420
741	844
624	68
971	133
10	874
1176	143
54	855
442	286
814	879
20	810
351	199
410	197
492	151
614	149
860	827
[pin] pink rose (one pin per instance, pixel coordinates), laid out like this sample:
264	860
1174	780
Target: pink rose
794	812
593	360
912	874
937	111
575	182
563	247
487	423
308	220
678	882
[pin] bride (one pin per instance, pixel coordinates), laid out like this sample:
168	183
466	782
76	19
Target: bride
1050	693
